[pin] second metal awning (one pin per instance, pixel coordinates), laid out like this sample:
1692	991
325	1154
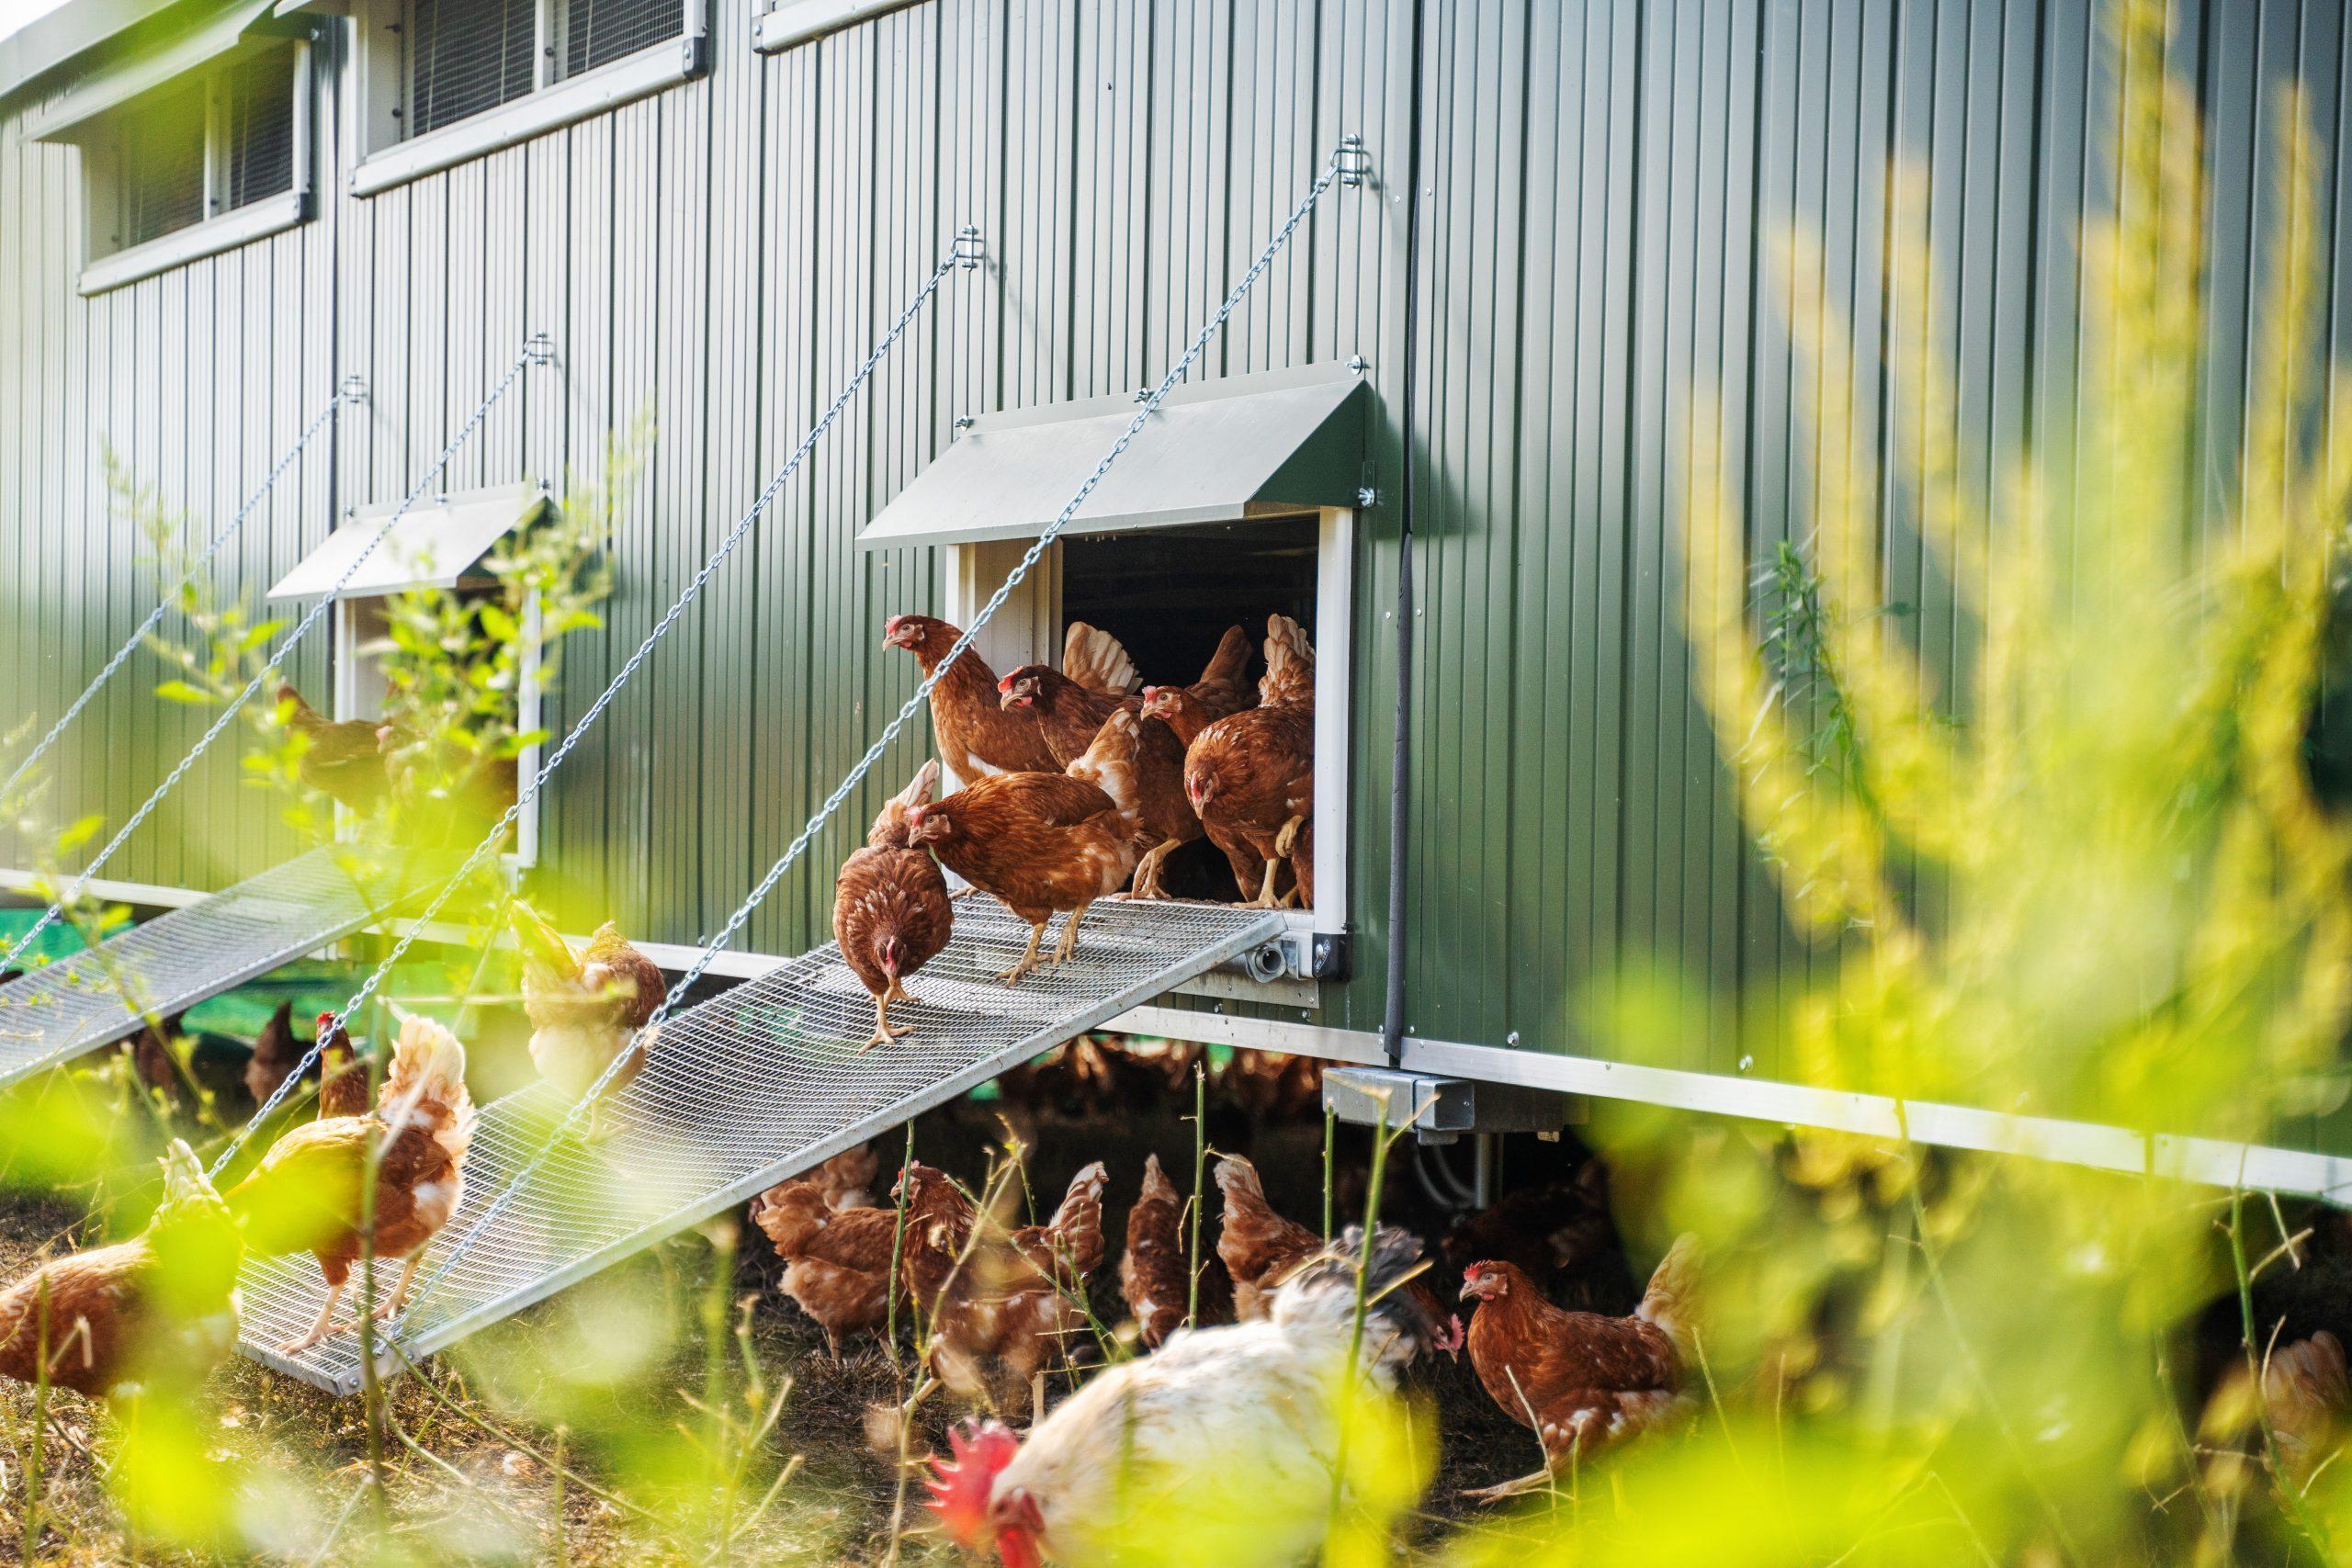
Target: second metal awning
432	544
68	112
1277	443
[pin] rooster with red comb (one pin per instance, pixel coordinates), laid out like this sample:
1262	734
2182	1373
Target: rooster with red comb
1221	1448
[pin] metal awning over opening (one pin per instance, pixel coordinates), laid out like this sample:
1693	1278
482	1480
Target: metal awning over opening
171	963
738	1093
68	112
1277	443
433	545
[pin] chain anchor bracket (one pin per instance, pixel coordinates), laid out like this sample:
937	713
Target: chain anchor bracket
1353	160
539	348
969	250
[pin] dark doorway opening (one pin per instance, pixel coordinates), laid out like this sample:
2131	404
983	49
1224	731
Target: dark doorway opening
1169	594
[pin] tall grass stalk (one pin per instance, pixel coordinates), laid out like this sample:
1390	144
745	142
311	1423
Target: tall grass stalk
897	1286
1330	1135
371	1383
36	1468
1199	1195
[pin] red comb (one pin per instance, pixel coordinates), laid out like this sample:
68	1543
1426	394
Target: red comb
1470	1273
325	1018
960	1485
1005	684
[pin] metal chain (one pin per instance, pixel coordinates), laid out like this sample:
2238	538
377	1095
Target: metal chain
532	351
1344	166
130	644
961	255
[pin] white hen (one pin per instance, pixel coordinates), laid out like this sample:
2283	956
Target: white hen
1220	1449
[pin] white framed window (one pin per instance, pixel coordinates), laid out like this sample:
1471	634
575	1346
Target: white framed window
201	163
439	81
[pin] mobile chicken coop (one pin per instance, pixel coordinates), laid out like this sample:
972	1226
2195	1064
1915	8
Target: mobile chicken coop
1468	258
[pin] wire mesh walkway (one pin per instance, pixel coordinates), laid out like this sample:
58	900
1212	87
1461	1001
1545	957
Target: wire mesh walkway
176	960
740	1092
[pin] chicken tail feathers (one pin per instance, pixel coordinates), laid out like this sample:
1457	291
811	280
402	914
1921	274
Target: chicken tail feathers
1670	1300
1290	662
1077	1227
429	1063
1097	660
543	946
302	715
1231	658
184	1179
1321	1295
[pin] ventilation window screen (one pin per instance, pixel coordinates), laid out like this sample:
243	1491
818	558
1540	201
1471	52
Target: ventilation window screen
468	56
162	165
257	100
597	32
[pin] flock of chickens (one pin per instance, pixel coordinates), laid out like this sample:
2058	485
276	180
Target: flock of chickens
1243	1354
1077	784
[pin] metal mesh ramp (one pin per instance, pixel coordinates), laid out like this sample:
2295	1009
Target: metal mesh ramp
178	959
742	1092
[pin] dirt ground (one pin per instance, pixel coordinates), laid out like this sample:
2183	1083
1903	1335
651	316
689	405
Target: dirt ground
479	1481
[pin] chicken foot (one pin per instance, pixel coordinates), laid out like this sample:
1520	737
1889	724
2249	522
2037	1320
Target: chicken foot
1519	1487
1149	874
1028	959
1266	898
1068	947
399	1298
319	1330
883	1034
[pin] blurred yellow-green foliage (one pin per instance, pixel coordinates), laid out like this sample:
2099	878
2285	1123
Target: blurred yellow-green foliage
1908	1354
2141	920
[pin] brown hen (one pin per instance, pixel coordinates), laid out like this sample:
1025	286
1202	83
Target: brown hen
836	1258
276	1054
1251	779
1139	764
1005	1301
1262	1249
1038	842
1580	1381
340	759
1187	716
305	1194
1155	1270
976	737
891	912
1259	1247
162	1304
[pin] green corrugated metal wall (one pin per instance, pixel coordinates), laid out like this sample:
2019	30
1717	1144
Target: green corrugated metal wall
1601	181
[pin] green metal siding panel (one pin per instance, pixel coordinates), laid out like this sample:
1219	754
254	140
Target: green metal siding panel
1602	184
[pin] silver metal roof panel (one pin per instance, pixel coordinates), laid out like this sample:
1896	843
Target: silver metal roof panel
434	545
1277	443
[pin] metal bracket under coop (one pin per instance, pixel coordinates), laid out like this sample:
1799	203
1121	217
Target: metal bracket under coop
1441	1109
